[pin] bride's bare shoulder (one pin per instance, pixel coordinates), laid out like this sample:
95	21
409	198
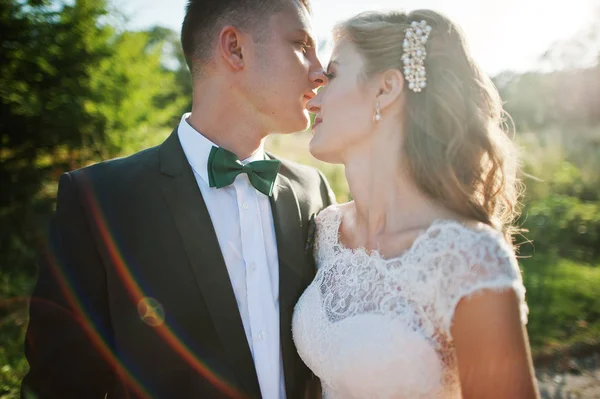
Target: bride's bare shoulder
345	207
338	209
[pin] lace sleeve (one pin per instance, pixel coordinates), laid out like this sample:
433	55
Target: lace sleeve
481	260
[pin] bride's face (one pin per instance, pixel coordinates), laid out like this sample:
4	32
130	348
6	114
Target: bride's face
344	108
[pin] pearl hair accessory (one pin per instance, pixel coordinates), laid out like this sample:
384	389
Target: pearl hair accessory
414	54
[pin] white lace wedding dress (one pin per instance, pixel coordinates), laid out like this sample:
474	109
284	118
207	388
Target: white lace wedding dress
371	327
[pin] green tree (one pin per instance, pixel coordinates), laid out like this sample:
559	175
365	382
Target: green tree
73	91
134	95
46	55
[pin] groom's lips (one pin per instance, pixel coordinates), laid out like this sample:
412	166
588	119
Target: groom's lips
308	96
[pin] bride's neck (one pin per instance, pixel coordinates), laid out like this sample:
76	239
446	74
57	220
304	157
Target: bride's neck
386	199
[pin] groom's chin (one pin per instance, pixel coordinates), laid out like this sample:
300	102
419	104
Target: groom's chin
303	122
299	123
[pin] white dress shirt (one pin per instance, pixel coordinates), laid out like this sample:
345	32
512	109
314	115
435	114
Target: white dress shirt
243	222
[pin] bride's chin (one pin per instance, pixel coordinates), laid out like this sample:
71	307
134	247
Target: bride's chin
315	149
320	153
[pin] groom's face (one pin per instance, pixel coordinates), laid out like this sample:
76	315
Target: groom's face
283	70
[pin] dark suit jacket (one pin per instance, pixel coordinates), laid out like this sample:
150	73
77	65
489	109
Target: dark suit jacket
133	298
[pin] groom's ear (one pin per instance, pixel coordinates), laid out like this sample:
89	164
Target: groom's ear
391	84
230	47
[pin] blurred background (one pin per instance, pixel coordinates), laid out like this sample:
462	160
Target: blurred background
88	80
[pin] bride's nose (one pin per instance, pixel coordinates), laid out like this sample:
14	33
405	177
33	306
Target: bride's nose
314	105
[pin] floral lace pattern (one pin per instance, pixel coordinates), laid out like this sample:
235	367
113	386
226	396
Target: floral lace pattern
380	328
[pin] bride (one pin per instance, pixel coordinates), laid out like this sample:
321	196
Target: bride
418	293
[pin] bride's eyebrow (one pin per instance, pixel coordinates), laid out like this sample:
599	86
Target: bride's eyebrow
331	63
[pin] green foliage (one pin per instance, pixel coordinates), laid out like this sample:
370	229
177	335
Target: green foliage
73	91
14	289
562	214
563	301
564	226
45	58
129	94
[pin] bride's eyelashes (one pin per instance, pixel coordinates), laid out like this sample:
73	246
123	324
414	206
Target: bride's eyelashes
329	75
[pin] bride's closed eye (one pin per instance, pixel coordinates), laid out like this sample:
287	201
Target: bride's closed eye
329	75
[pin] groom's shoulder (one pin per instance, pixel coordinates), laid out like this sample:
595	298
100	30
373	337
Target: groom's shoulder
303	175
308	182
122	169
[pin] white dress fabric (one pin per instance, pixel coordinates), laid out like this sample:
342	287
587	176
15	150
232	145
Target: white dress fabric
371	327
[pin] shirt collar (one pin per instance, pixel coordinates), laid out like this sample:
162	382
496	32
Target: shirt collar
197	148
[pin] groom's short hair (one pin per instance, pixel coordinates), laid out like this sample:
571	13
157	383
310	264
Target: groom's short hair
204	19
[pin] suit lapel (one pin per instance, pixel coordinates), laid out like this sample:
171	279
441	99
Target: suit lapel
292	262
192	219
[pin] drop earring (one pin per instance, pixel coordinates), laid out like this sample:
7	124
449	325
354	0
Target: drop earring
377	117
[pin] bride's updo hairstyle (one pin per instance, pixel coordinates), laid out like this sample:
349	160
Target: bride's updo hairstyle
456	144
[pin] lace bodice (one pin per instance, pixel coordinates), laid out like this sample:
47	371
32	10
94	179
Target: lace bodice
371	327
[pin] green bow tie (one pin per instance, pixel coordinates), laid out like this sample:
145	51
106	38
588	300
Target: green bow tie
224	166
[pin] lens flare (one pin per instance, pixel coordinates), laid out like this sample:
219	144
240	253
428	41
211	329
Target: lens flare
150	310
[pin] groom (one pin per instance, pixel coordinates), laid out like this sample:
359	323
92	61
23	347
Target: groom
173	273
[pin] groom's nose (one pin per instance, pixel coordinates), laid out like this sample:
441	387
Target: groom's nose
318	78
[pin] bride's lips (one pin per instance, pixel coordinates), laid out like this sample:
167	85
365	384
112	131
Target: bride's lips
316	122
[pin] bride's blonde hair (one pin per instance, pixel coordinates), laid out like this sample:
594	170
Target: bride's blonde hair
456	142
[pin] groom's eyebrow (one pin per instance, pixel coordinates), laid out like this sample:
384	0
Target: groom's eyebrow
310	40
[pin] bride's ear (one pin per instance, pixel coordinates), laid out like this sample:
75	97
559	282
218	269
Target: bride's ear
391	87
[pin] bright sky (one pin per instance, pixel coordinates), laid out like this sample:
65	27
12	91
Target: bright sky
503	34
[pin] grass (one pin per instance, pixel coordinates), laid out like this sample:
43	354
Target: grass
563	300
14	289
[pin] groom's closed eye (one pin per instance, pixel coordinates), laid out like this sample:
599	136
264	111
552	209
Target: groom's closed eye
304	46
306	42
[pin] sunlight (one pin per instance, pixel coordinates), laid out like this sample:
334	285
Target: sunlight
507	35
